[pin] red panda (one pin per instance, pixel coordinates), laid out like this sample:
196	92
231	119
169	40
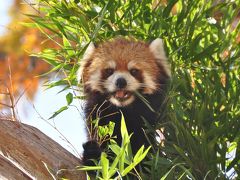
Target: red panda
112	74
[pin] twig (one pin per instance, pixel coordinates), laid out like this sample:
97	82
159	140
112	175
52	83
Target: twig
7	94
32	6
54	127
11	96
21	95
3	104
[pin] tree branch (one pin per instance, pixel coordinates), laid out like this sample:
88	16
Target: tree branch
6	167
24	150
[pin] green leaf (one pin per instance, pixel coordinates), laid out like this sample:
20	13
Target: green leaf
90	168
124	132
169	7
208	51
59	111
68	47
118	158
69	98
167	174
140	155
105	166
201	116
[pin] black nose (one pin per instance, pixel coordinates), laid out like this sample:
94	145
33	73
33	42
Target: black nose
121	83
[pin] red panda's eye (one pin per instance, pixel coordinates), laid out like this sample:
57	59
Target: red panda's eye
134	72
108	71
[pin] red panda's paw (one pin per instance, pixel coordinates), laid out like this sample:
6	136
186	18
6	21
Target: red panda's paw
91	151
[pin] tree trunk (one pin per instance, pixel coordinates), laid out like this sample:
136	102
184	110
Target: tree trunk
27	153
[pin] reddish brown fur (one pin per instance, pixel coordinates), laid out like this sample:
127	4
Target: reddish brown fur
150	78
122	51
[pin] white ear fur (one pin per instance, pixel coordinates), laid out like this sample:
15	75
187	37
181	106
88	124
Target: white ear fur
157	48
89	51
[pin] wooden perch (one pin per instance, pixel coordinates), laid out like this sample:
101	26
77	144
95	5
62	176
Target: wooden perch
24	150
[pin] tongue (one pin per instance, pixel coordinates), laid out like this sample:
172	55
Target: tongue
120	94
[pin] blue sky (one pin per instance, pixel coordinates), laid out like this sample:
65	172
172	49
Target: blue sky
4	20
69	123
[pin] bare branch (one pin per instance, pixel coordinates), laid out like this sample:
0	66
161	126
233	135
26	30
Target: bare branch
30	149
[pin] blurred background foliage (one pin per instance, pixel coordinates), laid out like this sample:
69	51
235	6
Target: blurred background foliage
202	119
16	43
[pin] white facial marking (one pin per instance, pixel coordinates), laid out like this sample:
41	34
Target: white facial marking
150	85
112	64
132	83
122	103
95	81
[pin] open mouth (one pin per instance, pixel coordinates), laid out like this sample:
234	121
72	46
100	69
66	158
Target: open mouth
122	95
121	98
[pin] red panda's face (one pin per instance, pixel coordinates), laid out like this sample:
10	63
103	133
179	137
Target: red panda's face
121	84
121	68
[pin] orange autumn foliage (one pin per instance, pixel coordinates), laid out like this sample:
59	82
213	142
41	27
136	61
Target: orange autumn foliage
16	45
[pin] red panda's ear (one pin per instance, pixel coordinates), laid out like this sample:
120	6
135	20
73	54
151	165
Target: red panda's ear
89	51
85	60
157	48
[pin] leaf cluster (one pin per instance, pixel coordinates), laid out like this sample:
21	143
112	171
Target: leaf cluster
201	120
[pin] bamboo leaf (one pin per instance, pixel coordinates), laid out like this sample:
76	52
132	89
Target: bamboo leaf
58	112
